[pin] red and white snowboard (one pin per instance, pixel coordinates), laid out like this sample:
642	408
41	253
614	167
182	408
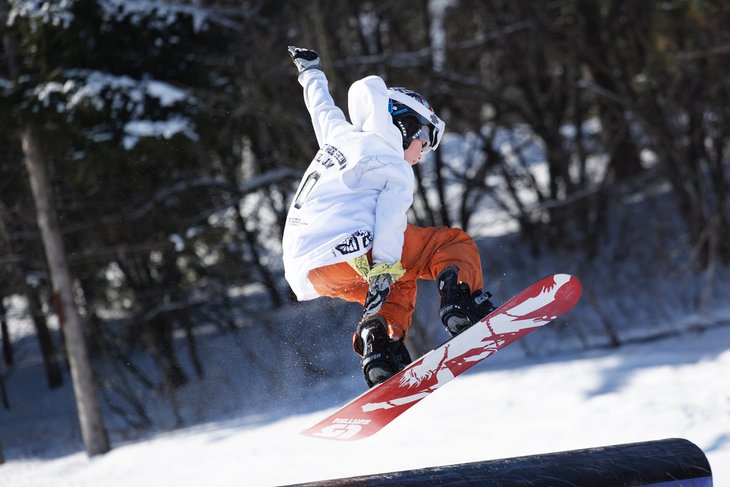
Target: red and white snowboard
534	307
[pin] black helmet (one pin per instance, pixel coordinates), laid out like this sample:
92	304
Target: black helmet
415	118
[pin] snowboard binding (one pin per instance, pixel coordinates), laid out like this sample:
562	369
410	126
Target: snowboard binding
382	357
459	307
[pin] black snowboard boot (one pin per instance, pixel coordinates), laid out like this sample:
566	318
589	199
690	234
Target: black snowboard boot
382	357
459	307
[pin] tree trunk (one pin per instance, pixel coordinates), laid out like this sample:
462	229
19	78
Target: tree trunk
192	346
92	427
4	394
9	50
45	340
7	346
265	274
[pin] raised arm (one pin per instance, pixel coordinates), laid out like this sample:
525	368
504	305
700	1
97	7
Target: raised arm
326	116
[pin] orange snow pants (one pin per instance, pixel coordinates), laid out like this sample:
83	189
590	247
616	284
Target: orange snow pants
426	252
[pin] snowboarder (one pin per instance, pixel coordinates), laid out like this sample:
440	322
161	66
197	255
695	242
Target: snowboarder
346	234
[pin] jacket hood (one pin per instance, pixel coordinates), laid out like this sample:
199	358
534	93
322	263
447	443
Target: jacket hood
367	103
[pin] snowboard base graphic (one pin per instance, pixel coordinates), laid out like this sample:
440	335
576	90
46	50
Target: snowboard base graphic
532	308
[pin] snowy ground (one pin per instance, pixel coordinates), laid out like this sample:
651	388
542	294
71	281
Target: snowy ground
507	406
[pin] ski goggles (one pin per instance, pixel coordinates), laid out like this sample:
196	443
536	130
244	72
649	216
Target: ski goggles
424	134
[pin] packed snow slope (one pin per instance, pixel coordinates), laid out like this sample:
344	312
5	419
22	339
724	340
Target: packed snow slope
507	406
560	388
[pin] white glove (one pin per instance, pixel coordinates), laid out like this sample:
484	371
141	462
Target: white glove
304	59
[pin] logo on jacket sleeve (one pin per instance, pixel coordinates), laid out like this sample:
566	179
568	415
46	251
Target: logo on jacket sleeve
362	239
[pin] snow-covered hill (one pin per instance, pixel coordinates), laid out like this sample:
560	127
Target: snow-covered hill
507	406
283	370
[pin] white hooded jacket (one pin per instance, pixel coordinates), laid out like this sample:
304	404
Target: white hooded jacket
355	194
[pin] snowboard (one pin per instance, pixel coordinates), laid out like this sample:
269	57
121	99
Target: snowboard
370	412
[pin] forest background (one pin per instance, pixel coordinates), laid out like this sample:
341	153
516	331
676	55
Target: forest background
149	151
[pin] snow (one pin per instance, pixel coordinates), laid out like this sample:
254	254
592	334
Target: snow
571	392
507	406
89	86
164	13
137	129
167	94
510	405
57	13
5	85
158	14
121	94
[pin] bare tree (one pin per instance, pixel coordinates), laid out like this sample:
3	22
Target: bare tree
93	431
5	335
